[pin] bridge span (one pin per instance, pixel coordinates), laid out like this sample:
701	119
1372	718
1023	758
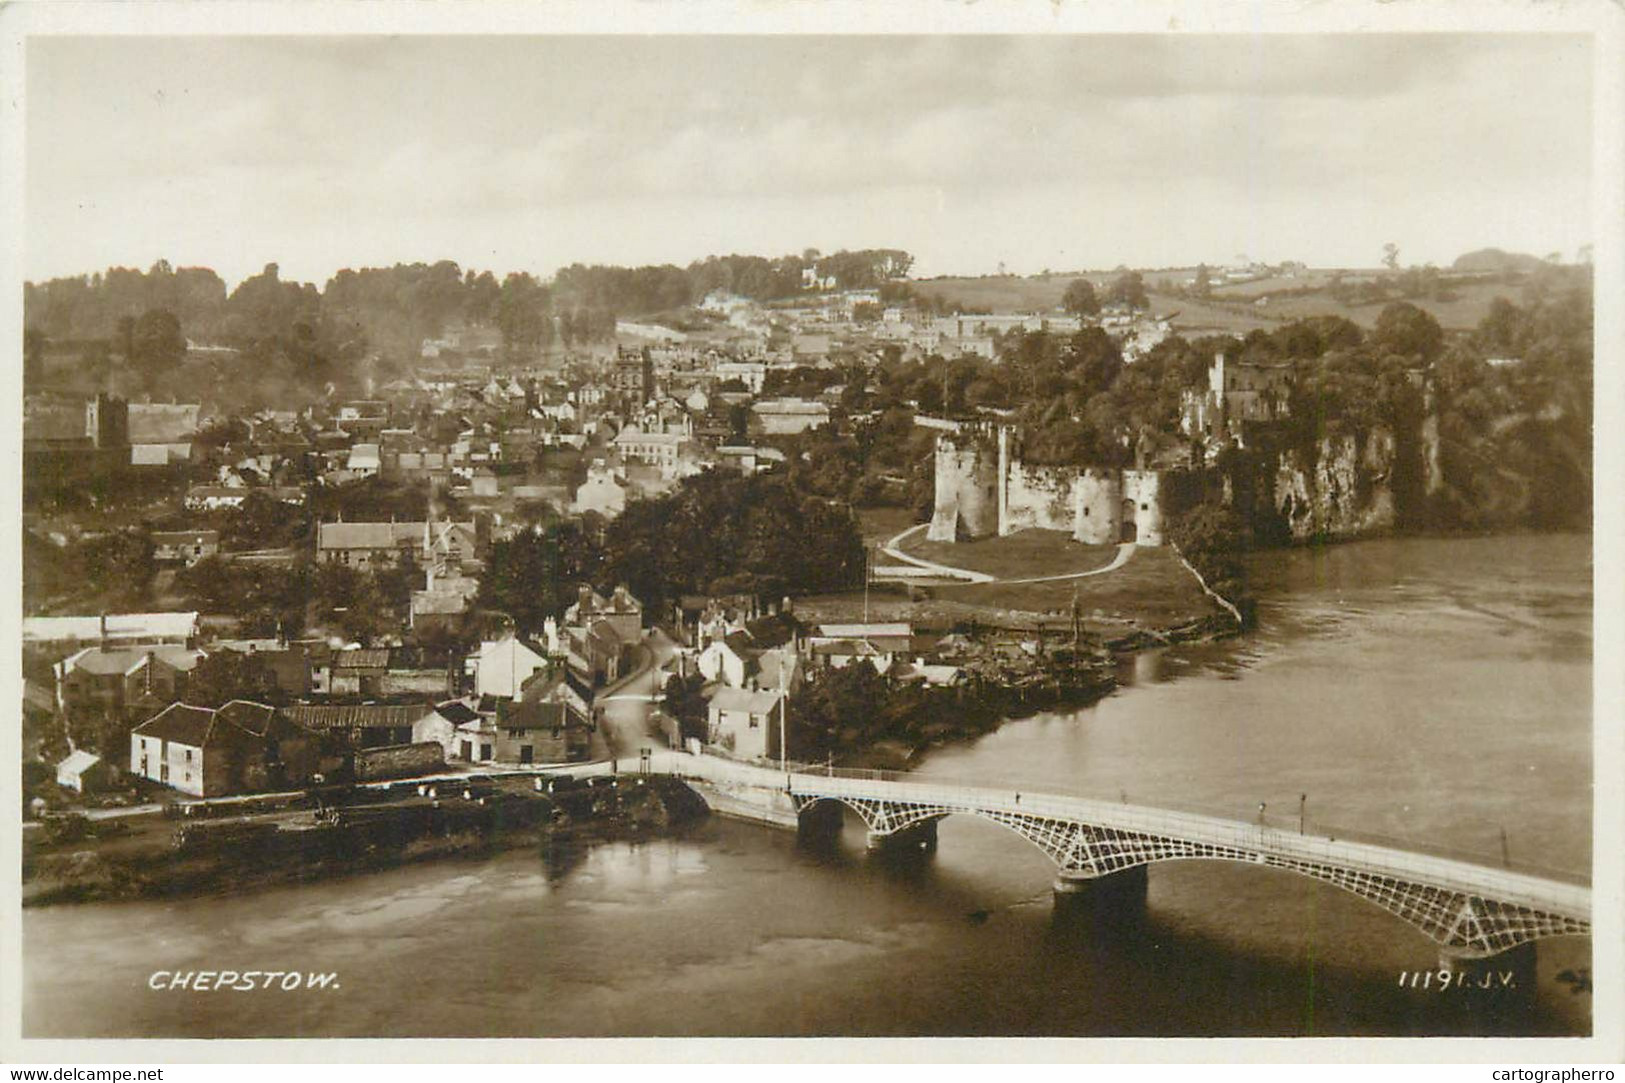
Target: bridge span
1471	911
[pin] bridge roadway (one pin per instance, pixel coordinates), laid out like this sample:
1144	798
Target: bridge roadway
1472	911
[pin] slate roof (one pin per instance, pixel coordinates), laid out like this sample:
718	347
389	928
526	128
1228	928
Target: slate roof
741	699
255	718
363	658
356	715
180	723
456	712
537	716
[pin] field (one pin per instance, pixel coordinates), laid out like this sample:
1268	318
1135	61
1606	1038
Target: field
1024	554
1005	293
1009	294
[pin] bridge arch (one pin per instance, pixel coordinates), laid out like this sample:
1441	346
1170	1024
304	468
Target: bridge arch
1467	924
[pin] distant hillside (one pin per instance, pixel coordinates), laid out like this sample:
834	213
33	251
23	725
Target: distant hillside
1493	259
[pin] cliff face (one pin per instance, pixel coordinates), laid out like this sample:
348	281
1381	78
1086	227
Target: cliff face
1343	487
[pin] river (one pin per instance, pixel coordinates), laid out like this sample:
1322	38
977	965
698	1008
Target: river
1431	690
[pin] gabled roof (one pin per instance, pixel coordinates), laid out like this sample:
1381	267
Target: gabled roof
773	631
456	712
180	723
538	716
78	762
254	718
104	663
604	633
742	699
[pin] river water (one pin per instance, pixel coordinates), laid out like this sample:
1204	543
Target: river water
1430	690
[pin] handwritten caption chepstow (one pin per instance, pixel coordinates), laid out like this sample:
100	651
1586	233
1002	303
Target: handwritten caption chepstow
245	981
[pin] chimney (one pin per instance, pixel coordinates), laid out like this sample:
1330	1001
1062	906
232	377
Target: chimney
104	643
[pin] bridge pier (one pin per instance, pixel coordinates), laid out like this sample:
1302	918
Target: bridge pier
819	823
921	836
1511	974
1118	895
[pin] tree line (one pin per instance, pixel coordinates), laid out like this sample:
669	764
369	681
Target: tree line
716	533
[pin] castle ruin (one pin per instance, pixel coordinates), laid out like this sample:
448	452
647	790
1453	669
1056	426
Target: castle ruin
983	488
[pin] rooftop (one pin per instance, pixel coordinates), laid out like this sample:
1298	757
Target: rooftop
119	626
742	699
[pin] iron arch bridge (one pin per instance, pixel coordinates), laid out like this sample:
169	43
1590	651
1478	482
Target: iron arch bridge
1471	911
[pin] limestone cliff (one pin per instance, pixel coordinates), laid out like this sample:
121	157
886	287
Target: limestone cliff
1342	487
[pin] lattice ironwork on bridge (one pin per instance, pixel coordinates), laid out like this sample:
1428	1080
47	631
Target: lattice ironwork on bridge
1470	924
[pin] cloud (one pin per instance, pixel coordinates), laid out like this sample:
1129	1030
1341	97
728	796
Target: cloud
680	144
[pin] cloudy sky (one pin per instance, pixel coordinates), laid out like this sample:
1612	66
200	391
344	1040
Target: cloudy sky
1038	152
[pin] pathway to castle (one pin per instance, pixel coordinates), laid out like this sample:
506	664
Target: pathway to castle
893	549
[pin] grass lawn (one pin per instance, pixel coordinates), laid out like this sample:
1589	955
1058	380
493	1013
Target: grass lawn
1151	589
880	525
1024	554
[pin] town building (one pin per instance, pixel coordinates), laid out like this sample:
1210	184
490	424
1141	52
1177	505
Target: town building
161	433
744	723
1239	395
98	683
359	725
83	772
439	724
184	546
364	545
503	665
783	417
63	636
602	493
527	733
621	609
659	449
241	748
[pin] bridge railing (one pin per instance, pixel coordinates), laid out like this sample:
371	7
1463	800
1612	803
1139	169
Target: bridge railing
1340	852
1349	850
1283	824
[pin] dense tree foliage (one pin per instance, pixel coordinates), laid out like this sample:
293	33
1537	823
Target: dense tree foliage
1128	288
264	597
225	675
295	338
1212	538
1079	298
722	533
533	575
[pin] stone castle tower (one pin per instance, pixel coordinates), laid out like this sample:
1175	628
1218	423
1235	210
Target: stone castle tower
983	488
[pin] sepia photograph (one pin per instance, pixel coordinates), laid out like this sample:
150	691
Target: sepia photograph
907	533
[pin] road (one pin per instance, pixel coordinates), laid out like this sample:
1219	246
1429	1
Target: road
1125	552
625	705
